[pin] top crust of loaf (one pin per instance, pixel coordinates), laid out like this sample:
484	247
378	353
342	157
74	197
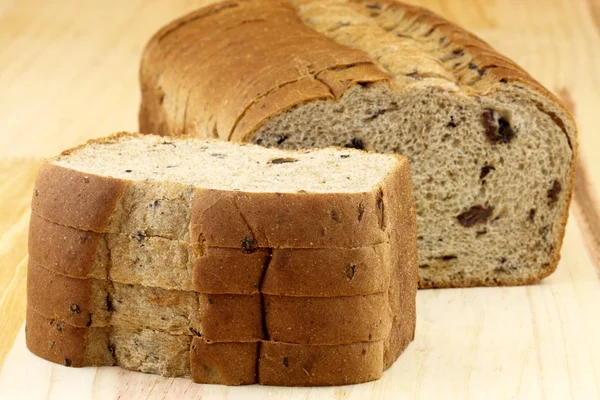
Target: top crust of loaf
147	206
265	26
269	78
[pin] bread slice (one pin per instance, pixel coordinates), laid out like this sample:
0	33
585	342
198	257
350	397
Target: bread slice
141	260
135	349
94	302
122	258
144	350
491	150
215	317
243	197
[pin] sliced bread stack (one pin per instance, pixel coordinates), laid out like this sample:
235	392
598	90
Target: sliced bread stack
230	264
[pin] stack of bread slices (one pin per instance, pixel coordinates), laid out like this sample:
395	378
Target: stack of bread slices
230	264
491	151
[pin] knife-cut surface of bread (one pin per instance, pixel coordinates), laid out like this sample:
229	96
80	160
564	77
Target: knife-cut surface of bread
491	150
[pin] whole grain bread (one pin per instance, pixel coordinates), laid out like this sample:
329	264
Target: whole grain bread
492	151
142	350
141	260
215	317
96	302
266	362
76	301
149	186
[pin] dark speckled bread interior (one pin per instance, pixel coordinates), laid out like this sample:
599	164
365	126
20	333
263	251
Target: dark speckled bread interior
226	263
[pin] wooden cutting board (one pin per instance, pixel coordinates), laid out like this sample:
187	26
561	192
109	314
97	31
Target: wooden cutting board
68	72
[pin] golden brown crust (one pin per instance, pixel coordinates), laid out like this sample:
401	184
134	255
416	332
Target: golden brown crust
59	297
54	340
291	272
279	219
328	272
223	363
224	318
304	56
231	318
483	55
61	249
229	271
76	199
297	365
403	283
327	320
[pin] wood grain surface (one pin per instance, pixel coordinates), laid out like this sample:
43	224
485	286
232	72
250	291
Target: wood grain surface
68	72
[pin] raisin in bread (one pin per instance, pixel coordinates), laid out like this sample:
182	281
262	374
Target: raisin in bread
491	150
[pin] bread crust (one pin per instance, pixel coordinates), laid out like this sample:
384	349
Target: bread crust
328	272
231	318
278	220
297	365
229	271
255	219
327	320
59	297
266	73
404	280
90	202
223	363
64	250
54	340
291	272
265	362
215	317
500	69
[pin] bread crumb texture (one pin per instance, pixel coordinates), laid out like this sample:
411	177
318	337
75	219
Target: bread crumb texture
491	151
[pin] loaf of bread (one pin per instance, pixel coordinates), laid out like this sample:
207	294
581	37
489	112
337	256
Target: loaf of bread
268	266
491	150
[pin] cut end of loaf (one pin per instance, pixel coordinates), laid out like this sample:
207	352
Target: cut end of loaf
491	150
492	175
227	166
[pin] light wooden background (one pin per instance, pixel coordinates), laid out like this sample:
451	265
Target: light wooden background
68	72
